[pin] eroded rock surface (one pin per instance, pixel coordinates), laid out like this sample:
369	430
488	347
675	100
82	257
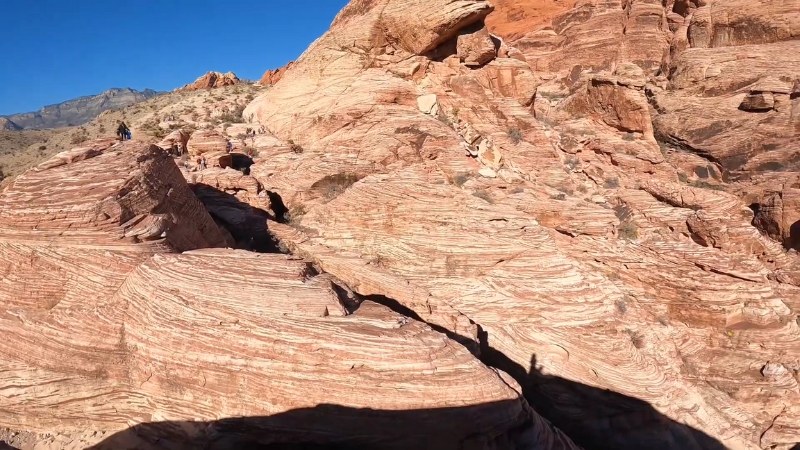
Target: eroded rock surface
555	222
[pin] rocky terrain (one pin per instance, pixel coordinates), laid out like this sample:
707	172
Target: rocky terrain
458	225
78	111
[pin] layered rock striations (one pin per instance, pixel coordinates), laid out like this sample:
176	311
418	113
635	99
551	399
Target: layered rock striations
537	199
105	325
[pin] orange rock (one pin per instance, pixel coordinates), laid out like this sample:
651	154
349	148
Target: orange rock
271	77
212	80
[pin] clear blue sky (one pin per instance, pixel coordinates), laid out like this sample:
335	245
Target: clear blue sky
55	50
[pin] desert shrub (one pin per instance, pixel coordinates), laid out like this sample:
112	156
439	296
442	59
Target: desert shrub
683	178
565	188
484	195
78	138
628	231
332	186
517	190
234	116
296	148
461	178
628	137
706	185
622	306
636	339
560	196
42	148
611	183
515	135
295	214
582	189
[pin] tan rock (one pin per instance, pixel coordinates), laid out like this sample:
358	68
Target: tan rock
206	141
477	48
489	154
428	104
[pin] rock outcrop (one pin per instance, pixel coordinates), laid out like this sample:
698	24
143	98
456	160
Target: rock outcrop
7	125
271	77
212	80
206	141
433	184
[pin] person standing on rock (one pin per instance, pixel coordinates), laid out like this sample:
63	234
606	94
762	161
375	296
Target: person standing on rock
122	131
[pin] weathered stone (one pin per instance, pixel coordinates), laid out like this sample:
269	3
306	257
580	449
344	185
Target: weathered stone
476	49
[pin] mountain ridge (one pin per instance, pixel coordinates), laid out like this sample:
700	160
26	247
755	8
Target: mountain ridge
80	110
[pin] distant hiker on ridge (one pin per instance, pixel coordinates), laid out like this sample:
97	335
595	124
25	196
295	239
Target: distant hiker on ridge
122	131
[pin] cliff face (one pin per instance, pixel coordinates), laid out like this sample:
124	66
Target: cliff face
80	110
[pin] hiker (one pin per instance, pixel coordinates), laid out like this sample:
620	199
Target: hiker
230	146
122	131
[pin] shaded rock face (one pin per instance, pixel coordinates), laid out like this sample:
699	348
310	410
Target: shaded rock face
8	125
80	110
212	80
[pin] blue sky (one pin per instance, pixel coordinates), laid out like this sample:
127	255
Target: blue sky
55	50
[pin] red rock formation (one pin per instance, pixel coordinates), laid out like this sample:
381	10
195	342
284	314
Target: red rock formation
564	235
273	76
212	80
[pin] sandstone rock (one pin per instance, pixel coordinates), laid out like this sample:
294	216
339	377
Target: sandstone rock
76	225
539	268
212	80
778	215
206	141
488	173
477	48
279	314
428	104
489	154
271	77
177	137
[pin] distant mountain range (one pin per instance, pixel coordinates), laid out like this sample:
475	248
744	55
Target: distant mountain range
77	111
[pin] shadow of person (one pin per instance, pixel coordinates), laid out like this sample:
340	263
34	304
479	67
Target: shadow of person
599	419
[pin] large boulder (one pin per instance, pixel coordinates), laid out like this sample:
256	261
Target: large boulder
206	141
73	227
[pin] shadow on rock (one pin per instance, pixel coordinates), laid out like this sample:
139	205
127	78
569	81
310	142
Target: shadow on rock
321	427
595	419
599	419
246	224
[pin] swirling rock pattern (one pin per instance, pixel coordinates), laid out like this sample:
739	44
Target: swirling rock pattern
584	239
